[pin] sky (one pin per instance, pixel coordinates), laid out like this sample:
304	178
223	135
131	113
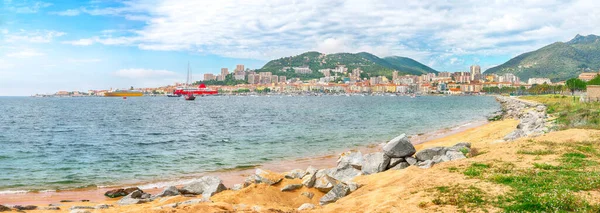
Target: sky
47	46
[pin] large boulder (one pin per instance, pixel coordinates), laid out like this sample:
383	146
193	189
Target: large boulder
135	197
267	177
410	160
295	174
169	191
207	186
120	192
426	164
399	147
338	191
395	161
345	174
352	158
311	170
401	165
455	155
440	158
429	153
4	208
309	180
375	162
323	184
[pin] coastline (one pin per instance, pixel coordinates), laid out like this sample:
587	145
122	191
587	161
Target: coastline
229	176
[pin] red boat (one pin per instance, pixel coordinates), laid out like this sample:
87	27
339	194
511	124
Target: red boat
201	90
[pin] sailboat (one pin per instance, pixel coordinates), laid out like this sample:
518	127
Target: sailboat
189	96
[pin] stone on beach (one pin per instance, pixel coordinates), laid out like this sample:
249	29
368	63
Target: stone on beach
80	211
50	208
295	174
322	184
429	153
306	206
267	177
401	165
309	180
27	207
133	198
410	160
309	195
4	208
169	191
120	192
81	207
399	147
338	191
194	201
395	161
375	163
352	158
345	174
455	155
426	164
237	187
207	186
103	206
291	187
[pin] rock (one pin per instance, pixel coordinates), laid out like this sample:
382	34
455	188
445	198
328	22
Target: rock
256	208
194	201
27	207
103	206
80	211
462	144
267	177
429	153
399	147
66	201
4	208
311	170
514	135
322	184
374	163
345	174
338	191
81	207
239	207
250	180
50	208
207	186
440	158
352	158
84	201
169	191
291	187
237	187
411	161
395	161
133	198
309	180
309	195
120	192
353	186
296	173
402	165
306	206
454	155
425	164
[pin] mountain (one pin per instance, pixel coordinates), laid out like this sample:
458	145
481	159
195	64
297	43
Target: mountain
370	64
558	61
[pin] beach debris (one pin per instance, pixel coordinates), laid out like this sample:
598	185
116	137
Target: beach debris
291	187
309	195
81	207
103	206
237	187
295	174
134	198
169	191
338	191
4	208
352	158
267	177
399	147
207	186
119	192
306	206
375	163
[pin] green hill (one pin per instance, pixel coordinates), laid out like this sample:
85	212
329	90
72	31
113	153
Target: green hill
558	61
370	64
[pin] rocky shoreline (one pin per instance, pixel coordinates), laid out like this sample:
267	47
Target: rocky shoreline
533	119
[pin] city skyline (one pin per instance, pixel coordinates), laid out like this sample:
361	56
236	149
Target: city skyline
70	45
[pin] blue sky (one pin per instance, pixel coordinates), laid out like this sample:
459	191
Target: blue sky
46	46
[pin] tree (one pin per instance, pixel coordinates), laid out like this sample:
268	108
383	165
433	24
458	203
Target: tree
595	81
575	84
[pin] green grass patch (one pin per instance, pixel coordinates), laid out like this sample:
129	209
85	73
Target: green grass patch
546	166
536	152
476	169
569	112
465	198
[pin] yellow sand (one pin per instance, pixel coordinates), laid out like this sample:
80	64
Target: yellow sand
391	191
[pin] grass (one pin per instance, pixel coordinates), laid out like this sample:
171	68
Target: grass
569	112
546	187
535	152
465	198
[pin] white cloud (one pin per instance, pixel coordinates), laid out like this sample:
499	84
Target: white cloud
27	7
136	73
25	53
84	60
433	31
70	12
39	36
81	42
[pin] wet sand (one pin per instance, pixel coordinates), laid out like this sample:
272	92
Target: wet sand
229	177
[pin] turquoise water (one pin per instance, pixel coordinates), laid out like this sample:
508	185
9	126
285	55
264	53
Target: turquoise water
63	143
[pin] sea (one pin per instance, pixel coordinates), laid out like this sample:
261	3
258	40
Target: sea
70	143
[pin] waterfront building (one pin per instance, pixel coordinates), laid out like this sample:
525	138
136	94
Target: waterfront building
587	76
445	74
224	72
282	79
539	81
274	79
209	77
394	75
475	72
239	68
